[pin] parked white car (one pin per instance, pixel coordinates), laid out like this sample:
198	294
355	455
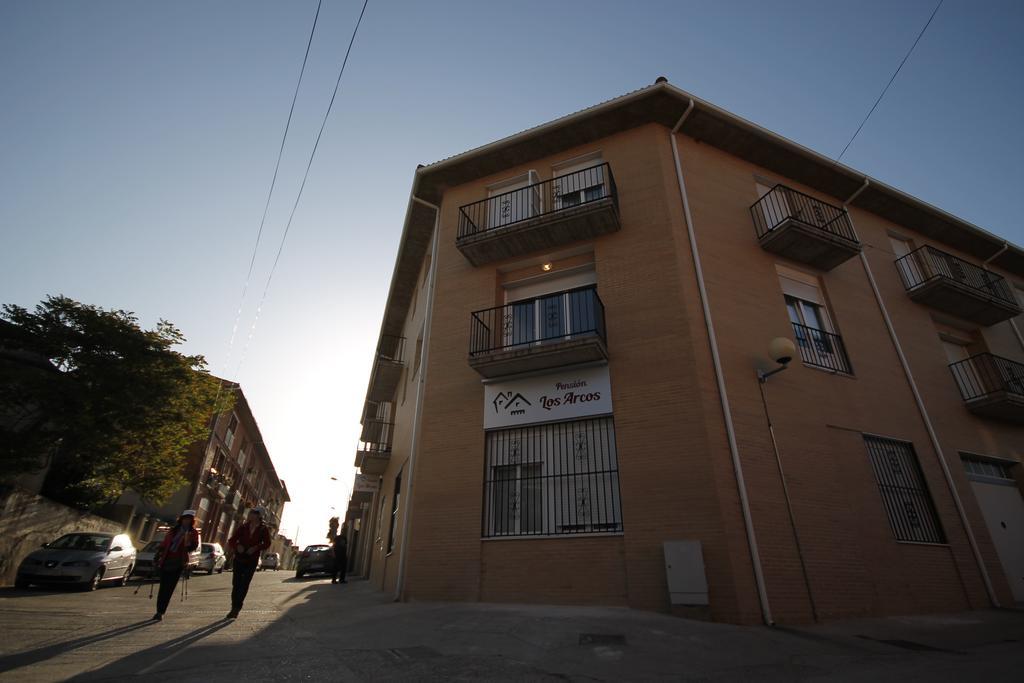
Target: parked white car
212	558
84	559
271	561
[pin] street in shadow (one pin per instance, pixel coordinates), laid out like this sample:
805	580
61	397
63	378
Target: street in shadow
149	660
49	651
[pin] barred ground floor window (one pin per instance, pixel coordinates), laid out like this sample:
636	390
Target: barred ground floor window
552	479
905	495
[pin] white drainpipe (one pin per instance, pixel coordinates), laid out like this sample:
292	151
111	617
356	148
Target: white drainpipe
748	522
924	415
417	420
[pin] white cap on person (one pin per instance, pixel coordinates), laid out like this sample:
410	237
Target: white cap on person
188	513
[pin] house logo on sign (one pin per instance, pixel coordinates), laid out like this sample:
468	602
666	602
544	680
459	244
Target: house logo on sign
513	404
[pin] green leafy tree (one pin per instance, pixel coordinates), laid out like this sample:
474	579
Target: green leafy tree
120	408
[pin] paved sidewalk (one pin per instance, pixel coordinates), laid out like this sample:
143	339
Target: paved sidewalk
312	630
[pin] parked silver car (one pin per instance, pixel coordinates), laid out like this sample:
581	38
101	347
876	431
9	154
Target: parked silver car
212	558
145	560
270	561
84	559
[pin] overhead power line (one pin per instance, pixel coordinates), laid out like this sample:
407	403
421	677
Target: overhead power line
302	186
270	192
895	73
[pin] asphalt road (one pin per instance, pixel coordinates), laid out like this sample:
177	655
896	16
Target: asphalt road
309	630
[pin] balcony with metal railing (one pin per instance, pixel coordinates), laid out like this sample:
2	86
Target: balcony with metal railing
821	349
576	206
378	432
805	229
372	459
947	283
991	386
549	331
387	368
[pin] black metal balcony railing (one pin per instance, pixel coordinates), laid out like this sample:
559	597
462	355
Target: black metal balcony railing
391	348
378	433
985	374
926	263
782	204
375	448
822	349
540	199
567	315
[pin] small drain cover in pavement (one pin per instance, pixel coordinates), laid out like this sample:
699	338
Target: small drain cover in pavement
602	639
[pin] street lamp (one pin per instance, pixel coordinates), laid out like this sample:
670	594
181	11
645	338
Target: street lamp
781	350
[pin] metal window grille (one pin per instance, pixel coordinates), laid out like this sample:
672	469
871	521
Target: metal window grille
904	492
822	349
552	479
986	468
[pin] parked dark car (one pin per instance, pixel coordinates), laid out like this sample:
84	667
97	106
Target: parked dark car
83	559
315	559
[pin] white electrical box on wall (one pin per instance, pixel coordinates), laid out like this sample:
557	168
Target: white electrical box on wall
684	569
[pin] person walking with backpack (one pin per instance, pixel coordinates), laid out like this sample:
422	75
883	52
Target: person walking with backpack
247	544
172	558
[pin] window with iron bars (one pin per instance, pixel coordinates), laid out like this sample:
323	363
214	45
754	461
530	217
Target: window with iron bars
552	479
982	469
905	495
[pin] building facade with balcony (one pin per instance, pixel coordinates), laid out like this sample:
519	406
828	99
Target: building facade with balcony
569	402
236	474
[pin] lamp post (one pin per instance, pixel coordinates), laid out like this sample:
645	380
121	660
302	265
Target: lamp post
781	350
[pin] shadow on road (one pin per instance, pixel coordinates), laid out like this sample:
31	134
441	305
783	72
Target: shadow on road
48	589
289	645
43	653
307	579
148	660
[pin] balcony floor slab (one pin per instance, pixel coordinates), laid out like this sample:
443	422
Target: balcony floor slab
949	296
540	356
809	244
541	233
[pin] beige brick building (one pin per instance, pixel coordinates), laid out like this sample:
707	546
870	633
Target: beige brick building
567	402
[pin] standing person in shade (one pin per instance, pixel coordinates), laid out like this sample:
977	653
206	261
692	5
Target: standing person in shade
340	543
172	558
247	543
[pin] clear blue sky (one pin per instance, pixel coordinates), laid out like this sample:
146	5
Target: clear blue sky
137	142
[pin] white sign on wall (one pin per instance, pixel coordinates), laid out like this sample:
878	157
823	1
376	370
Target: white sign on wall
364	483
563	395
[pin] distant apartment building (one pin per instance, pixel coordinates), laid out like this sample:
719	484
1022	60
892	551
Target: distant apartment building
228	473
573	398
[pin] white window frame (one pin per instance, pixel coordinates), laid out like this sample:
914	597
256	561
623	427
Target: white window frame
538	289
805	291
494	218
573	165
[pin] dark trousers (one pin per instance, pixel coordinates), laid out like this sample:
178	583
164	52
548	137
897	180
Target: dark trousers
241	577
168	580
340	563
